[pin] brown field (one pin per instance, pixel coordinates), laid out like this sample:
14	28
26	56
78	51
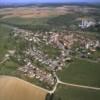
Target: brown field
38	12
34	12
12	88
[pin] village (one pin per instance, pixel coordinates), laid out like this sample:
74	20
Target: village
64	41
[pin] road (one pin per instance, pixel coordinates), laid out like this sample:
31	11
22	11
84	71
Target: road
4	60
79	86
58	81
76	85
89	60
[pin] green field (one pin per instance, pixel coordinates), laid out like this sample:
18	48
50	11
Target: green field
81	72
5	43
73	93
24	21
51	51
9	68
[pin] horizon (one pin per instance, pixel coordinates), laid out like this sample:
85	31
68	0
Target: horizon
45	1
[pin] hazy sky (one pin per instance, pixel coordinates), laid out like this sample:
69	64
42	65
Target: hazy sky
29	1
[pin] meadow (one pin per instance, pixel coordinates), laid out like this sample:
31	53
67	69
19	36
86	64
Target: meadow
73	93
5	43
81	72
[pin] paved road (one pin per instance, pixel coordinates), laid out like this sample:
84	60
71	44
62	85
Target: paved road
80	86
58	81
76	85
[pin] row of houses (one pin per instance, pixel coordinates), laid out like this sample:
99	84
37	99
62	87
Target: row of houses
64	41
34	72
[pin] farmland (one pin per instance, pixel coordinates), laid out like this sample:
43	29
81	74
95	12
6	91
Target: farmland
19	90
46	18
81	72
73	93
33	12
54	47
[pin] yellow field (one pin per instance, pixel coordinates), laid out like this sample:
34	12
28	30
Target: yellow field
12	88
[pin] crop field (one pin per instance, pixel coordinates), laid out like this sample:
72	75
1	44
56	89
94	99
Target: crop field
81	72
73	93
45	18
15	89
33	12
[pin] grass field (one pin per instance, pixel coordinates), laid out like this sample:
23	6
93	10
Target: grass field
81	72
73	93
5	44
12	88
9	68
22	21
51	51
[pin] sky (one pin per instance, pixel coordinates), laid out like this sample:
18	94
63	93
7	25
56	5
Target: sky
45	1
